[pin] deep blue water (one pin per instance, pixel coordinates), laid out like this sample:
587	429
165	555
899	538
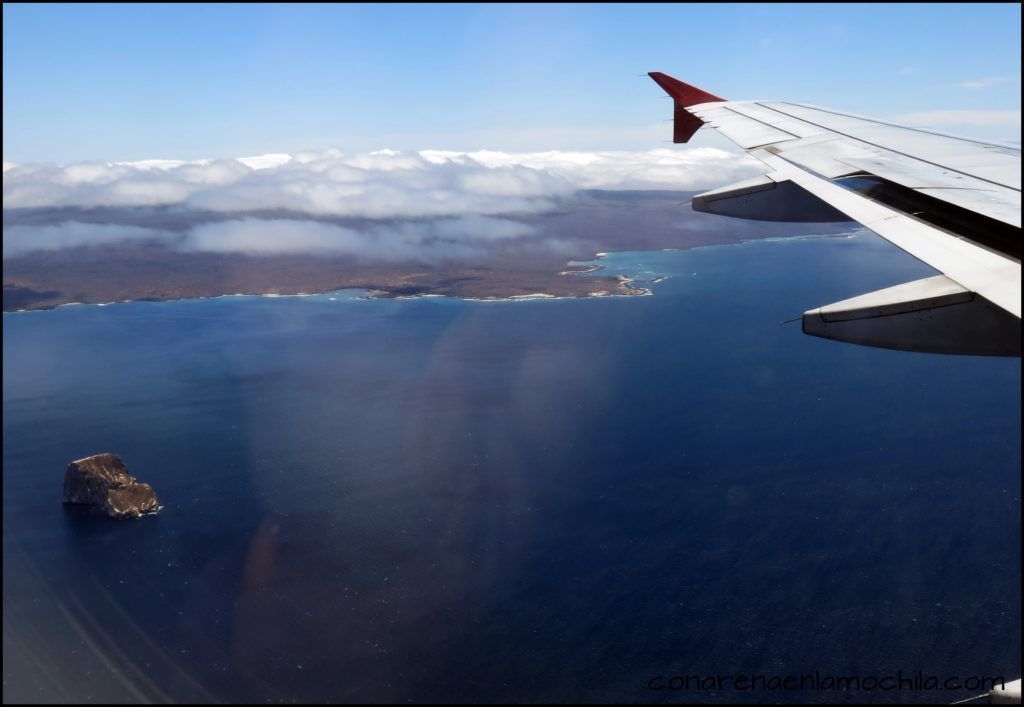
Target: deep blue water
435	499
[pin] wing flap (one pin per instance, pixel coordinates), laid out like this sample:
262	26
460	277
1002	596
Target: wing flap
986	198
993	276
991	204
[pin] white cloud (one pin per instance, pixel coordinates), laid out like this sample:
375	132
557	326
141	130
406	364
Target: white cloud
665	168
429	241
69	234
432	240
272	236
978	84
380	185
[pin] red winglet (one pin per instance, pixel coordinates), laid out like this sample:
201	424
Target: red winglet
683	95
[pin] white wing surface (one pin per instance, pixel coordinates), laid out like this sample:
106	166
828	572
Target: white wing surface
953	203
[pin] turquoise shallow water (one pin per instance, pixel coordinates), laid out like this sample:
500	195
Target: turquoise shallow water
434	499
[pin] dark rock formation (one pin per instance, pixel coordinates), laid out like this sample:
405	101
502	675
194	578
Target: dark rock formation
103	481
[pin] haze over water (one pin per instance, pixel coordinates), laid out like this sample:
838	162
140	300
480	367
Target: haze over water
436	499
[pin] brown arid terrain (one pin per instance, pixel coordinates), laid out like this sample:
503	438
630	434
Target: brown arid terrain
538	263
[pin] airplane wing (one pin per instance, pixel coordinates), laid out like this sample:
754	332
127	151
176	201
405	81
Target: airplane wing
953	203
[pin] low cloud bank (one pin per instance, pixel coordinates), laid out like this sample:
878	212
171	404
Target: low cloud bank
377	185
667	168
430	241
425	206
427	241
71	234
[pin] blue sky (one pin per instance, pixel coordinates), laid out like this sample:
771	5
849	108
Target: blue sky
122	82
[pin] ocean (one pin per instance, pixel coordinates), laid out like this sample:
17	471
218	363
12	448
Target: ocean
569	500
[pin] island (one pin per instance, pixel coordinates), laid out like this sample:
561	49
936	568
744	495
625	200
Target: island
550	261
102	481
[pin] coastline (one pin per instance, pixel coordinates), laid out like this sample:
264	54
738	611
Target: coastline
368	294
621	285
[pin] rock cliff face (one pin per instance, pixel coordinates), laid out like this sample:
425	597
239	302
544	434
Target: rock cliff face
103	481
